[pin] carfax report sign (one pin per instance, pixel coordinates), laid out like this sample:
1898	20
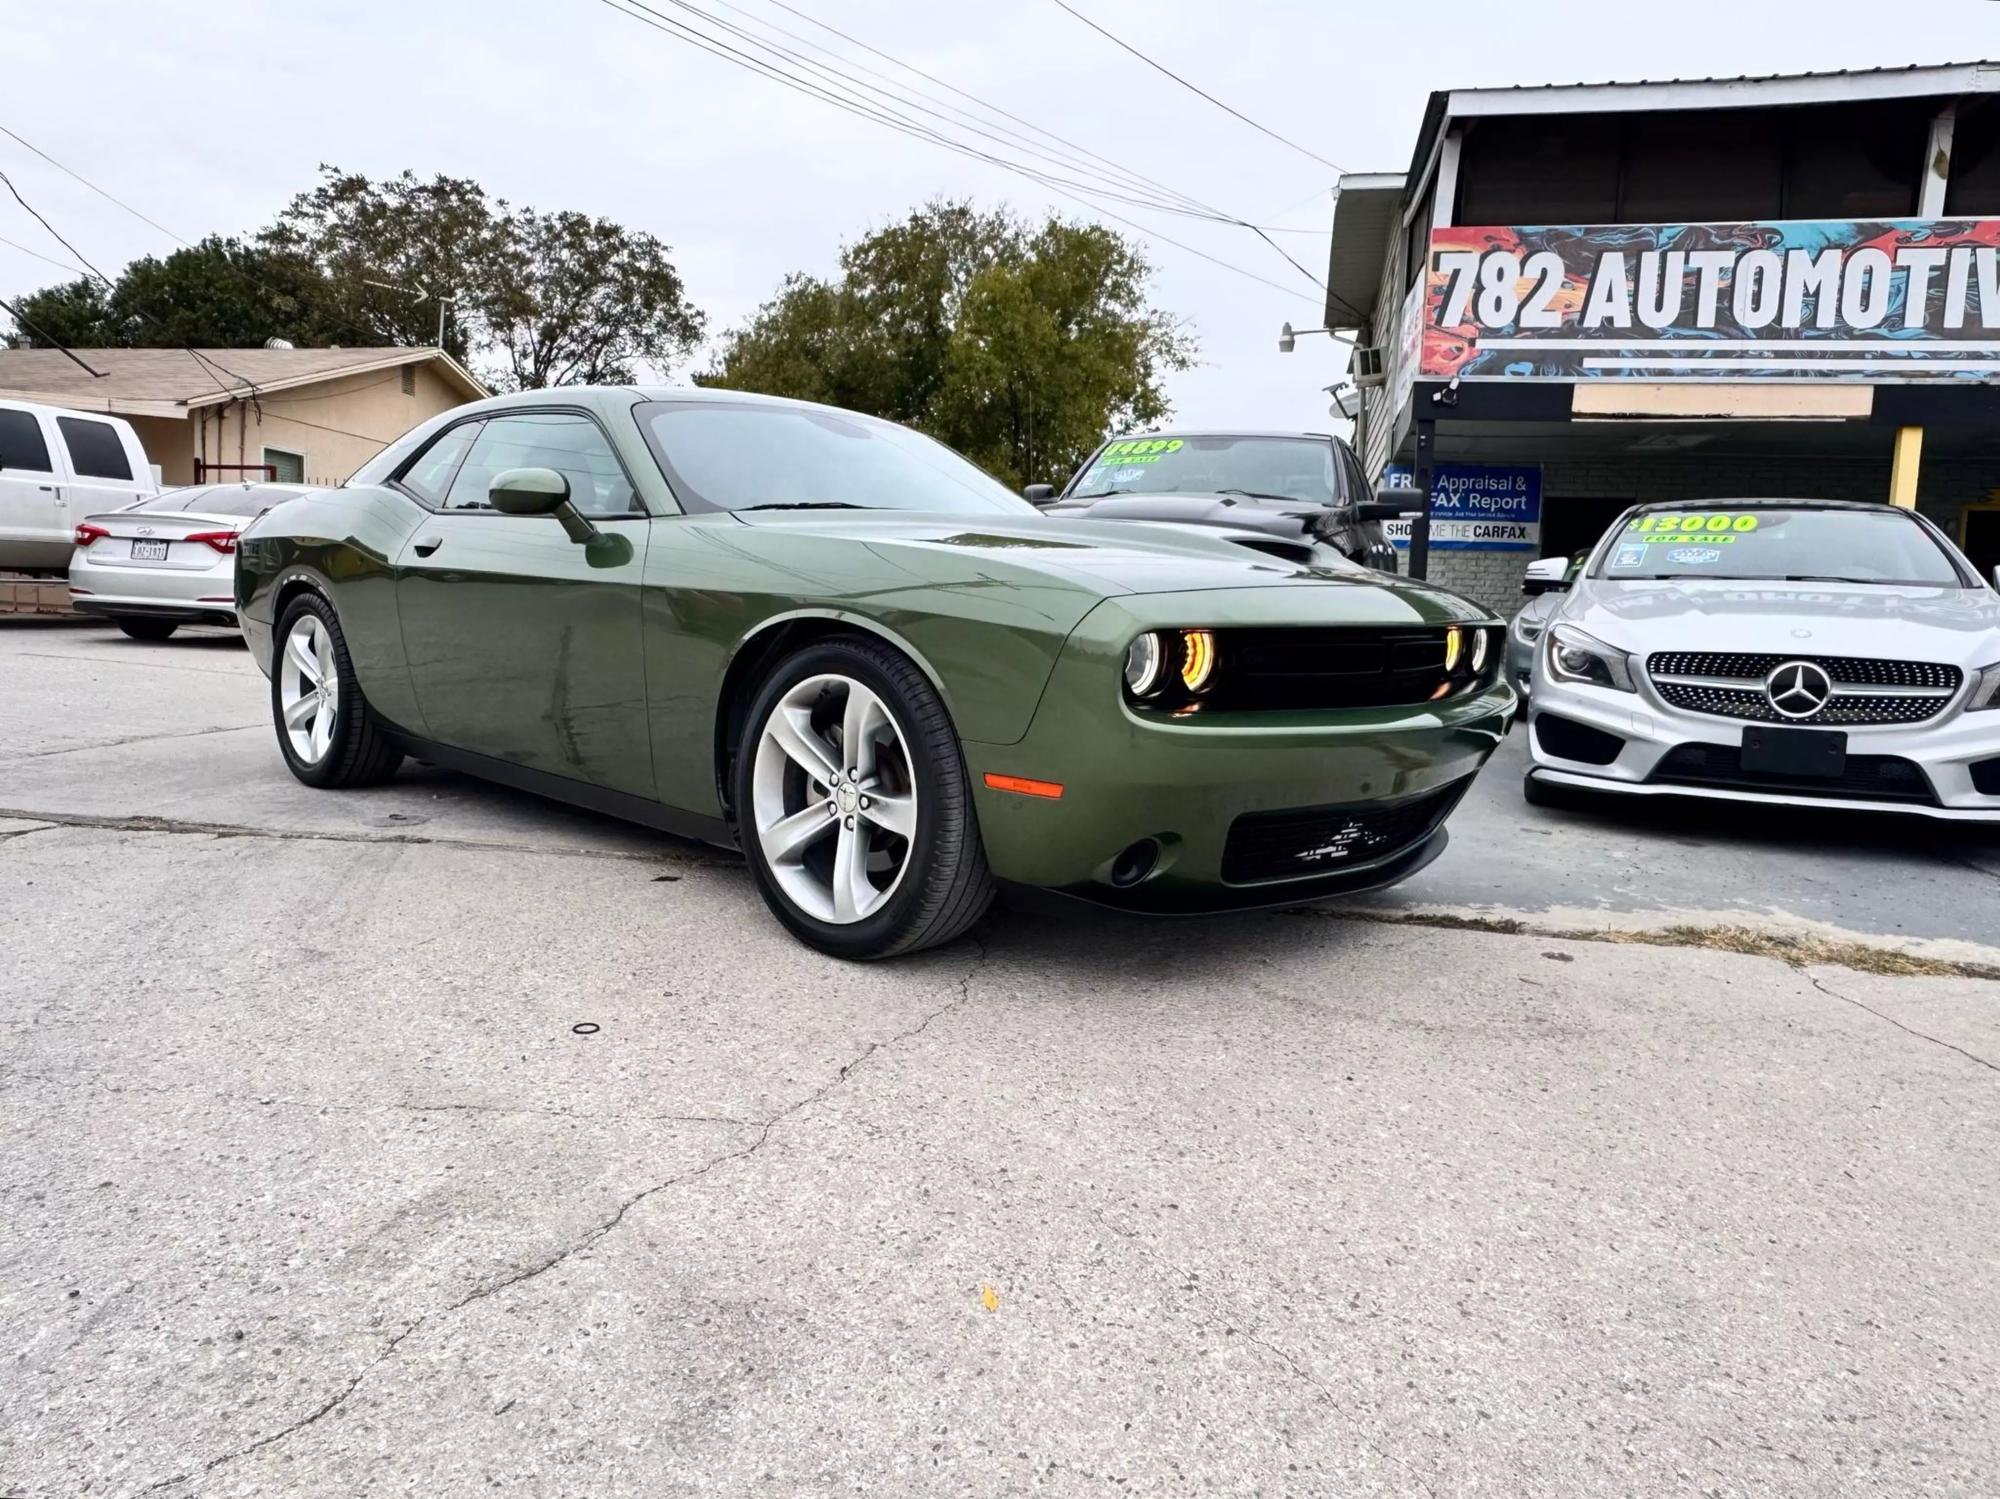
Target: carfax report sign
1475	507
1898	299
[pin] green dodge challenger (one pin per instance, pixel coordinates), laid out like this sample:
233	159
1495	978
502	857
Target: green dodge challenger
835	644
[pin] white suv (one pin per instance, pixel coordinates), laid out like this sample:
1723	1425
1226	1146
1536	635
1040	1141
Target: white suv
56	467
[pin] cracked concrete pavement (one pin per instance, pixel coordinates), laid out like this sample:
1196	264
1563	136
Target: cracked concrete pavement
311	1187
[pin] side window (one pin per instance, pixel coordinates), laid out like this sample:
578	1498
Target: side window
22	445
430	472
94	449
571	445
1354	479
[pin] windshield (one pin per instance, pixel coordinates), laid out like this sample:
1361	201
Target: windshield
1285	468
1776	544
719	455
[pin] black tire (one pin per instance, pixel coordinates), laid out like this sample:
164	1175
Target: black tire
141	628
360	752
946	886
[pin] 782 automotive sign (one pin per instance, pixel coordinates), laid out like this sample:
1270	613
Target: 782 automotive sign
1901	299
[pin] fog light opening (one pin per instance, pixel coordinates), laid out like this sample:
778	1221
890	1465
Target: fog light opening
1135	863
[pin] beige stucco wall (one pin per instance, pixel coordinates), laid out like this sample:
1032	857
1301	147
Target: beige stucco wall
338	425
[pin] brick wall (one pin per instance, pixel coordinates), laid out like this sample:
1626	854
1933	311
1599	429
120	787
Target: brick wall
1494	578
34	596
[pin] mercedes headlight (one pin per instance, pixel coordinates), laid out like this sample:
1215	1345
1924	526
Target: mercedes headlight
1986	691
1526	630
1576	657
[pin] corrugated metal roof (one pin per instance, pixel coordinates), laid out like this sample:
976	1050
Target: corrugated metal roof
172	382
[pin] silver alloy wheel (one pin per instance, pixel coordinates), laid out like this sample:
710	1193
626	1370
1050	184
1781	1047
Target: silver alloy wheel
833	799
308	688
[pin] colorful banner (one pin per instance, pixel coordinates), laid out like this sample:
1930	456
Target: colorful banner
1904	299
1475	507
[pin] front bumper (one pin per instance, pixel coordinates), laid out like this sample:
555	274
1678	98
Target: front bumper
1182	782
1943	751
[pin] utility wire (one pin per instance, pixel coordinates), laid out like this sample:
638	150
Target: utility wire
54	343
31	146
201	360
856	99
1191	88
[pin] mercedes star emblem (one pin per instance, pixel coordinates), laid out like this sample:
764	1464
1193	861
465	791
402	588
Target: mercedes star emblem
1798	689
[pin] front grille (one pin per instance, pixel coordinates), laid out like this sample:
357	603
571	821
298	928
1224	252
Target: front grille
1875	778
1706	682
1306	667
1322	840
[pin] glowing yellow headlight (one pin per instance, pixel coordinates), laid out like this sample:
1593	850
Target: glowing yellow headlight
1197	658
1454	641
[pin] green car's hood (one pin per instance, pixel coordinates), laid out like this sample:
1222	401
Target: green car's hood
1110	558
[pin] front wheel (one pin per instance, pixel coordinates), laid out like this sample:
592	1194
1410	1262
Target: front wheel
853	808
328	734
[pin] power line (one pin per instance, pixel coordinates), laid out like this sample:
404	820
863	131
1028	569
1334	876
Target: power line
61	265
15	313
200	359
1226	109
862	101
31	146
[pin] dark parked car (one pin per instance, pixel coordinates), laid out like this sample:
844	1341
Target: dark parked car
1295	495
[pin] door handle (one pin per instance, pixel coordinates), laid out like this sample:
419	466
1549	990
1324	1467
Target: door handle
425	545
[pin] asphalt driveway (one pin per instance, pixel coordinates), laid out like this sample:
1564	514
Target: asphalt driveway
436	1140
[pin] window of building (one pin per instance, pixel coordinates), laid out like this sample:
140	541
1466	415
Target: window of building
1856	161
571	445
94	449
1711	166
286	467
1531	170
1973	190
22	445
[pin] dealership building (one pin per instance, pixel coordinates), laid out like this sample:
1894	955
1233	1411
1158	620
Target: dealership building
1582	296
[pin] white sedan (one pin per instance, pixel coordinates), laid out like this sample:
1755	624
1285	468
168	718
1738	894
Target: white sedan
169	560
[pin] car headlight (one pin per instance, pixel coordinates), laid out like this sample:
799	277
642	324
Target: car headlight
1986	691
1576	657
1184	661
1526	630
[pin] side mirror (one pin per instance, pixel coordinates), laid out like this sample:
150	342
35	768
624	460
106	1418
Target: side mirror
1546	575
1039	494
1380	509
528	491
543	491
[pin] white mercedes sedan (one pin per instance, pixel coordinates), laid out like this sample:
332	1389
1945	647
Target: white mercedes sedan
1797	651
169	560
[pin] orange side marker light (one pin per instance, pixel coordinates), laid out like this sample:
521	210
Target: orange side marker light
1050	789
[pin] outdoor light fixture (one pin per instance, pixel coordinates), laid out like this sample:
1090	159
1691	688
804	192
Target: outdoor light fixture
1288	338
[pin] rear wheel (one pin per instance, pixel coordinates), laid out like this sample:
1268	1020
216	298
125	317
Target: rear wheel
140	628
852	805
329	735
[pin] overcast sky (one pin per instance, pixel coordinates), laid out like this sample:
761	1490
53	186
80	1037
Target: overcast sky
207	118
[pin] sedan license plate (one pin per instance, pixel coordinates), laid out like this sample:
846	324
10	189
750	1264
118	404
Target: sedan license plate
1794	752
149	551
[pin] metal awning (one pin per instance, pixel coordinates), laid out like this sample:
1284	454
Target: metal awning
1367	217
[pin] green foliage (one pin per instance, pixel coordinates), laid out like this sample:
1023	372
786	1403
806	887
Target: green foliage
220	293
538	299
1018	345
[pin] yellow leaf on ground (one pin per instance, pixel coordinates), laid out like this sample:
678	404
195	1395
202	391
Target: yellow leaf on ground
991	1297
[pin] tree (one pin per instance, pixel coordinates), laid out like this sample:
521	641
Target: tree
539	298
220	293
535	298
1018	345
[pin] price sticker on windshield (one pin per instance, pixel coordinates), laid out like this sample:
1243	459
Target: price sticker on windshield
1139	450
1681	525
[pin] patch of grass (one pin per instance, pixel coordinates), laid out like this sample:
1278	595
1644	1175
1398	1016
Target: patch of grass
1799	949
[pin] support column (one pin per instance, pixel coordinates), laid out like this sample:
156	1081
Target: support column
1420	528
1903	471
